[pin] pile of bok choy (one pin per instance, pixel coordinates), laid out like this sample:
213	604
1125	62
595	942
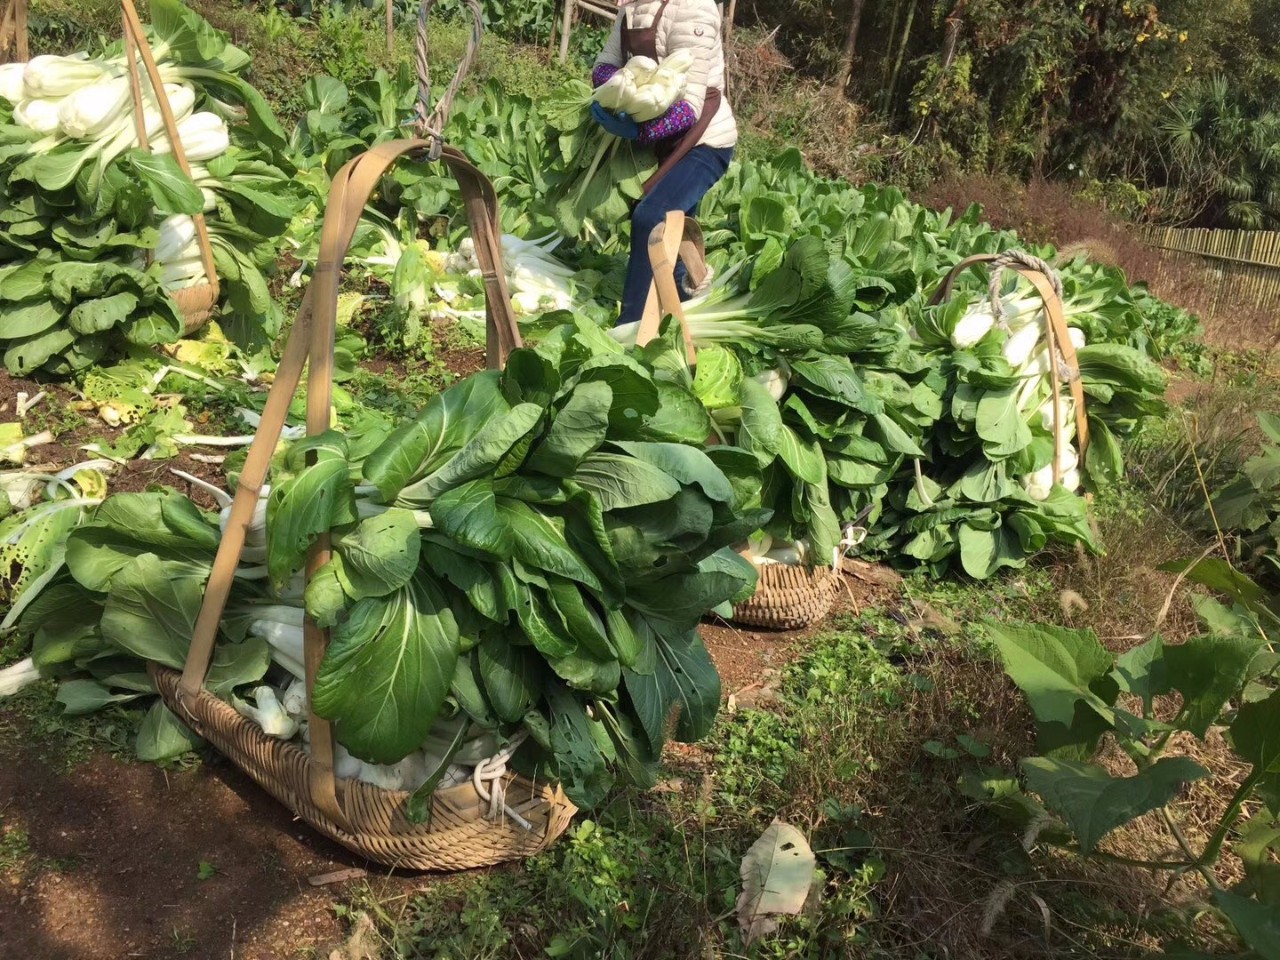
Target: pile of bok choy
96	231
525	562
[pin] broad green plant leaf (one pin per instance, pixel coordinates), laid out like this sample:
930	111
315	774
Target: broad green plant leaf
1054	667
1094	803
388	669
1257	923
1208	671
300	509
380	555
151	612
163	736
1255	733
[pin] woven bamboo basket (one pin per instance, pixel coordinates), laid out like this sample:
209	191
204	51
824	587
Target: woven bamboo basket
505	817
789	597
786	597
199	302
1065	366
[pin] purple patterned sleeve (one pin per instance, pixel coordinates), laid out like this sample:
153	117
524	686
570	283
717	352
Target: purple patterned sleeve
678	118
602	73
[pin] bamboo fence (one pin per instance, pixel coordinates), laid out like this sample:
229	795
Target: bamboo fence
1241	268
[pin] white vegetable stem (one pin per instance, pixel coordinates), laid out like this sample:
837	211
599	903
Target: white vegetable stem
14	678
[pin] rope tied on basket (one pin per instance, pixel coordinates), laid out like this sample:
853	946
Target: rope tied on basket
1010	260
490	781
851	538
430	123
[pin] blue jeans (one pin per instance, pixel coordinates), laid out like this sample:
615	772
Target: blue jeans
682	188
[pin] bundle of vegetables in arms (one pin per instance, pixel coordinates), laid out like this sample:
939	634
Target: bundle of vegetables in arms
95	231
529	558
604	171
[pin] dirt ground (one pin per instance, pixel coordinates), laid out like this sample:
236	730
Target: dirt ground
129	860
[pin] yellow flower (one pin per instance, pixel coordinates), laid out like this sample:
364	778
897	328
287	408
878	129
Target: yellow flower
1182	37
1142	37
1166	95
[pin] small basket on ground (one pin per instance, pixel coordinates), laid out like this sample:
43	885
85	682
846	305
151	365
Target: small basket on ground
498	816
789	597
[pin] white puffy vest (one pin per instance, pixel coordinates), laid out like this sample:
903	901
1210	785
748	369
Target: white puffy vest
692	25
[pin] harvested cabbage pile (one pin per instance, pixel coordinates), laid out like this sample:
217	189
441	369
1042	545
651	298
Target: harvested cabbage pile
96	231
525	563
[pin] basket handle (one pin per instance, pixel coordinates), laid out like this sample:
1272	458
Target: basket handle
430	123
13	32
676	238
311	338
135	42
1049	288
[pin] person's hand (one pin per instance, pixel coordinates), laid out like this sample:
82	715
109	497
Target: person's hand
619	124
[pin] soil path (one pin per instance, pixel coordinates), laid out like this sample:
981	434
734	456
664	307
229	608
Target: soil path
116	848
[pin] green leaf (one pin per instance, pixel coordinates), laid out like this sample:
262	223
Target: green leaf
387	671
1054	667
512	676
618	482
163	736
469	515
445	425
19	320
237	664
1255	733
28	354
1208	672
303	507
1094	803
540	542
684	679
1255	848
1103	460
1219	575
418	808
128	525
380	555
686	464
93	316
718	376
151	613
577	429
1143	672
87	696
325	598
1258	924
171	190
478	457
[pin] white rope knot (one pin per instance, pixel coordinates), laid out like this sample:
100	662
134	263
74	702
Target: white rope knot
697	290
851	538
490	781
1012	259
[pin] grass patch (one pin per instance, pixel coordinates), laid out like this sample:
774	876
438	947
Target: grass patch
862	748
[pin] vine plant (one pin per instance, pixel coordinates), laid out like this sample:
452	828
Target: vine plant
1224	679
